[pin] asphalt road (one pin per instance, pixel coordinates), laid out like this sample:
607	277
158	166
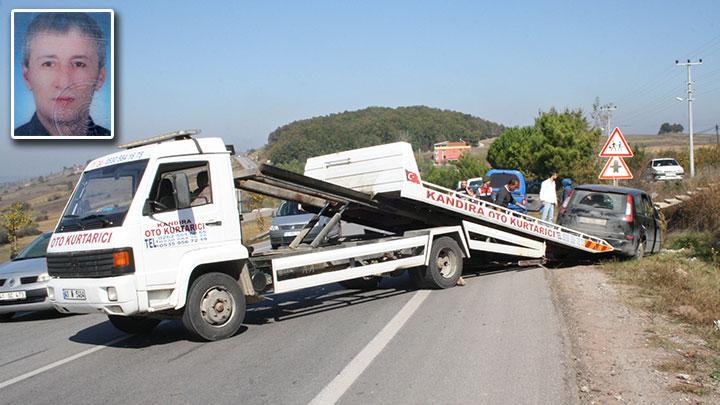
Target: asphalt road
496	340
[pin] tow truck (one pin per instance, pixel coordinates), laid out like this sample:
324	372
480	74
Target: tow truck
154	232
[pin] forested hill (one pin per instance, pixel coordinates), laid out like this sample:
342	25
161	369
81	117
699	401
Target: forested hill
292	144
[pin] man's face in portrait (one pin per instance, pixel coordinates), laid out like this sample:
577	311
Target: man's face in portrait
63	72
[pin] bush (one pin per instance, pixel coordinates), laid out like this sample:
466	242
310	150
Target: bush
41	218
31	230
703	245
696	213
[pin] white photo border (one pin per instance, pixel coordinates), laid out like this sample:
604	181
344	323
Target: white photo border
112	71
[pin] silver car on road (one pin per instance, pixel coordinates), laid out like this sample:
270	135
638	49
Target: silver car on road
23	280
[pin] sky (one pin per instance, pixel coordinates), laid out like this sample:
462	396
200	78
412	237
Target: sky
241	69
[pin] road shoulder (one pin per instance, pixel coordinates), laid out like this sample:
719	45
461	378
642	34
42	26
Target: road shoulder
620	351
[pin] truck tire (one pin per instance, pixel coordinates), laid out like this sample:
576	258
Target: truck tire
446	264
7	316
134	324
215	307
361	283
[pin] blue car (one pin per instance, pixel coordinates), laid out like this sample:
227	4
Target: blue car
500	177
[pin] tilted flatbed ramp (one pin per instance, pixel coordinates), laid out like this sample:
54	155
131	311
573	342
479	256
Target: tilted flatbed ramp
380	187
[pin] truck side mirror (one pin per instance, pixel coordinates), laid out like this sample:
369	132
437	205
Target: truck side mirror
182	190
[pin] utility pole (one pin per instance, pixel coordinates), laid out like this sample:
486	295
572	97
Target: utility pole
690	116
717	134
608	108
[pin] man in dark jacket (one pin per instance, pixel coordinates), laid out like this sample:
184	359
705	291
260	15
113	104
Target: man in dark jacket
504	195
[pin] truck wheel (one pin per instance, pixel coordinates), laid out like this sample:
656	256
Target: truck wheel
6	317
361	283
446	264
134	324
215	307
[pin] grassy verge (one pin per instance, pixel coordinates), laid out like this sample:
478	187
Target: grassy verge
684	285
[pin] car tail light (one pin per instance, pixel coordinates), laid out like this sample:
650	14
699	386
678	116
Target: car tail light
629	209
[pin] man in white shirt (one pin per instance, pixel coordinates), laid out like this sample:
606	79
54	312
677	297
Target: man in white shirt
548	197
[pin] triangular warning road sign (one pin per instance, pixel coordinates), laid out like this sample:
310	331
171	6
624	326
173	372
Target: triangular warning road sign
615	168
616	145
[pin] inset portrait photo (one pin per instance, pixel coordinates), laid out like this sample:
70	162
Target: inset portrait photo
62	66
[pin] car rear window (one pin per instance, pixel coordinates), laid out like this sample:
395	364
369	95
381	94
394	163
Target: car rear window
498	180
599	200
665	162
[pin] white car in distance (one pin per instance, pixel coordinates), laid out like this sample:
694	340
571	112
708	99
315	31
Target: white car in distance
665	169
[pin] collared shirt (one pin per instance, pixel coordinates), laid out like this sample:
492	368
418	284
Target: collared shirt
547	191
35	128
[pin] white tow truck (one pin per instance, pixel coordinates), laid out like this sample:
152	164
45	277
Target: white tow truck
154	232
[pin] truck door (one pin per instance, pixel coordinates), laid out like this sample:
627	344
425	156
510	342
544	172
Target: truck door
169	231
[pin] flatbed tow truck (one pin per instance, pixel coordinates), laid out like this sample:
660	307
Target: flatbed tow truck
154	231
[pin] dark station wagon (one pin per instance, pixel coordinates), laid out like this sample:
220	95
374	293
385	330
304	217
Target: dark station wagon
625	217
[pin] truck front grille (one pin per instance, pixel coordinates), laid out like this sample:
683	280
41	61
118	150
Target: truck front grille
95	264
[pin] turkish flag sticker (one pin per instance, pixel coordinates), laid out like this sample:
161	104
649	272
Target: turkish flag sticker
412	177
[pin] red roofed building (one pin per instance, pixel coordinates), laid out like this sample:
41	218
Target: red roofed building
447	151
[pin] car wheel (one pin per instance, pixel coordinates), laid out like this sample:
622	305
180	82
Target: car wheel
7	316
215	307
134	324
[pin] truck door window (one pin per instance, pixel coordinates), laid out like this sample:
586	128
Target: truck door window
198	175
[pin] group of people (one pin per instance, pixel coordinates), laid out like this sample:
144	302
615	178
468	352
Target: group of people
548	194
484	192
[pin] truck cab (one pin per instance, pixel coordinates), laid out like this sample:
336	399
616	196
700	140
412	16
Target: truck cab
141	224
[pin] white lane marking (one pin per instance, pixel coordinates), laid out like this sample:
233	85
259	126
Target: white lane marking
61	362
340	384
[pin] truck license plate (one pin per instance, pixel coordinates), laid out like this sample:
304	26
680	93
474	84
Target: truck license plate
12	295
74	294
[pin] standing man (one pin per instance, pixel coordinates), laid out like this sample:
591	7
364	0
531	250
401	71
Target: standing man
548	198
504	196
63	65
567	185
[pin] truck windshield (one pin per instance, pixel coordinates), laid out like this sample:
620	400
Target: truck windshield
102	197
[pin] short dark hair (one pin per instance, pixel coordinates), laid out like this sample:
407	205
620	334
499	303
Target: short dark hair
512	181
63	23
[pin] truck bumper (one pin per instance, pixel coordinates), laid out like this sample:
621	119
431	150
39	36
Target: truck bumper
96	295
